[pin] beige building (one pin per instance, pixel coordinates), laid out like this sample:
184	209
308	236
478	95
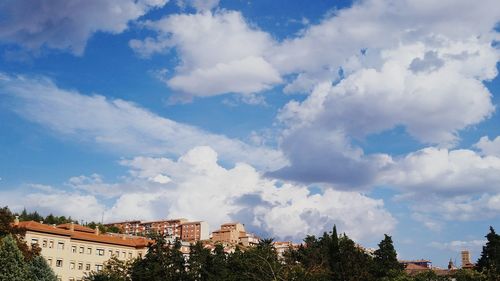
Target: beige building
234	233
72	250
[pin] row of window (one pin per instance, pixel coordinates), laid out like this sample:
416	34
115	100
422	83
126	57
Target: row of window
81	250
73	265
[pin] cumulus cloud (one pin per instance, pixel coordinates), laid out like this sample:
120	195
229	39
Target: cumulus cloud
220	53
436	170
489	147
446	185
280	209
67	25
119	125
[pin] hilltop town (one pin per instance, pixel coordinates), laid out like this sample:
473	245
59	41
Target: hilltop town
76	252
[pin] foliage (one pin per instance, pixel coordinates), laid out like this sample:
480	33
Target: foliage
385	261
113	270
489	262
13	268
39	270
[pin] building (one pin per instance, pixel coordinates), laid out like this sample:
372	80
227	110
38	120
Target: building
466	263
170	228
234	233
282	247
72	250
174	228
194	231
128	227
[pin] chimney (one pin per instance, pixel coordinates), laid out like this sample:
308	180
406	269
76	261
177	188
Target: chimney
16	221
72	226
96	230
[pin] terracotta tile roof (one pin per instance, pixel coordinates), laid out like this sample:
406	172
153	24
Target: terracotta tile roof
86	236
77	227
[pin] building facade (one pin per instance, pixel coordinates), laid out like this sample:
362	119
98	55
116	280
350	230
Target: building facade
194	231
73	251
173	228
234	233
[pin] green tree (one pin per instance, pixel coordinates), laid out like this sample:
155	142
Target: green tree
355	264
39	270
468	275
385	260
490	256
13	267
200	263
113	270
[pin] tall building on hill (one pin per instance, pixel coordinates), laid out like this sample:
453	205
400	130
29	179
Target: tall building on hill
234	233
72	250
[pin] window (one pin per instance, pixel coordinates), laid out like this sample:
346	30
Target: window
71	279
129	255
34	241
81	250
80	266
73	249
51	244
98	267
59	263
87	266
44	243
124	254
117	254
110	253
89	251
49	261
140	255
72	265
100	252
60	245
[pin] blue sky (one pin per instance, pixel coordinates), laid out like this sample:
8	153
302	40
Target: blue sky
290	116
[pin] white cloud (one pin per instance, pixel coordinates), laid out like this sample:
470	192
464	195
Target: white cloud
67	25
199	5
220	53
458	245
241	193
489	147
119	125
451	172
433	106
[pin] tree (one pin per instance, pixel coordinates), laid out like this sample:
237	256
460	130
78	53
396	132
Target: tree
39	270
355	264
468	275
113	270
200	261
385	260
490	256
13	267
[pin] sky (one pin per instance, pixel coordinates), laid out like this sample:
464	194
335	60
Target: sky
378	116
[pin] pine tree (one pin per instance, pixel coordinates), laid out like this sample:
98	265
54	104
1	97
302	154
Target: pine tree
39	270
13	267
490	256
386	262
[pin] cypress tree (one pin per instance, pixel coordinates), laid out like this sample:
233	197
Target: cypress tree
386	262
490	256
13	267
